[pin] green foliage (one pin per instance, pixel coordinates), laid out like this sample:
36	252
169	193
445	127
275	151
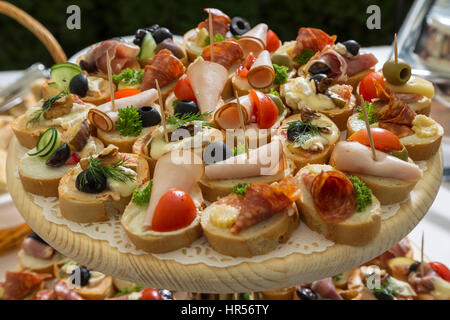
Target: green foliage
362	192
127	290
281	74
129	122
142	197
129	76
304	56
240	188
371	115
239	149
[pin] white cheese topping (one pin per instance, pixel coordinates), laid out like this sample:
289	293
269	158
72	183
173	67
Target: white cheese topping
124	188
94	84
76	114
300	92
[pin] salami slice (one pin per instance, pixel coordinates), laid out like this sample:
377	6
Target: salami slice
398	118
221	22
165	68
20	284
311	38
226	53
333	196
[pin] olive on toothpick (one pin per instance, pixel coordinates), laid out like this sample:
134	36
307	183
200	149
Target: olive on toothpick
396	71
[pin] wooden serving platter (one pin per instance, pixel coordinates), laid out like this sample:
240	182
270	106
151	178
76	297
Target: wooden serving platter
271	274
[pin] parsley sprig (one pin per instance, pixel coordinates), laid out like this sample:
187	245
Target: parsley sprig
217	38
180	120
371	115
142	197
127	290
45	106
304	56
303	131
240	188
129	76
281	74
98	171
129	122
362	192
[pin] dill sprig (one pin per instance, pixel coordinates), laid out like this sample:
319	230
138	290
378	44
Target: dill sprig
302	131
99	172
45	106
180	120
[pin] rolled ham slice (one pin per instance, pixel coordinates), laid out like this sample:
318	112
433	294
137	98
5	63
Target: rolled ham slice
207	80
254	40
170	174
261	74
386	166
227	116
262	161
104	117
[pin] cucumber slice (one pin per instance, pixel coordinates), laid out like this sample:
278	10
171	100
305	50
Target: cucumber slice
48	142
62	73
54	85
148	47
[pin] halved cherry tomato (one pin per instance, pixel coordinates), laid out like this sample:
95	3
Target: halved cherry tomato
150	294
383	139
372	86
265	109
441	269
246	65
127	92
272	41
183	90
73	159
175	210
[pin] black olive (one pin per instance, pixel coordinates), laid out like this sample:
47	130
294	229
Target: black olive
87	183
215	152
186	106
318	67
413	267
319	77
239	26
84	65
306	293
172	46
150	116
35	236
140	34
80	276
137	42
152	28
166	294
352	46
161	34
59	157
322	82
383	296
79	85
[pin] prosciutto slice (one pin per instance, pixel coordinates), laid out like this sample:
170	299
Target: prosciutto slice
226	53
337	64
170	174
261	74
104	117
313	39
227	116
254	40
122	55
359	63
165	68
326	289
221	22
398	118
207	80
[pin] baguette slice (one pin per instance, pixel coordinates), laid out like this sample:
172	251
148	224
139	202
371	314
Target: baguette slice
124	143
214	189
359	229
259	239
27	262
86	207
160	242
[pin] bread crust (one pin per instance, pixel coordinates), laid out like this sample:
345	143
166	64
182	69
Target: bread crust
340	115
40	187
28	136
124	143
27	262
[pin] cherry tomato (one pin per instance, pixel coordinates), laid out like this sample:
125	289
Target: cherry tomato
246	65
183	90
441	270
383	139
127	92
175	210
265	108
372	86
272	41
73	159
150	294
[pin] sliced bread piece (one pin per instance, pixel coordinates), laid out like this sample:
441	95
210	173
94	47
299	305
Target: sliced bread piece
30	263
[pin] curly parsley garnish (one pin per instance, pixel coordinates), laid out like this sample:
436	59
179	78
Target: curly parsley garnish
304	56
281	74
129	122
362	192
129	76
142	197
217	38
302	131
46	105
98	171
337	277
240	188
179	120
274	92
127	290
371	115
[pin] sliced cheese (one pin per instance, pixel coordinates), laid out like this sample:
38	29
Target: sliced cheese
414	85
124	188
222	215
300	92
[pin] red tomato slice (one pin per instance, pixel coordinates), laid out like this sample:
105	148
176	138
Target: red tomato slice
246	65
128	92
175	210
372	86
73	159
265	109
383	139
441	270
272	41
150	294
183	90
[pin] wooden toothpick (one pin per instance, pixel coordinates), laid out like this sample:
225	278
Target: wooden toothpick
395	48
110	80
163	114
211	36
421	255
241	120
366	120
